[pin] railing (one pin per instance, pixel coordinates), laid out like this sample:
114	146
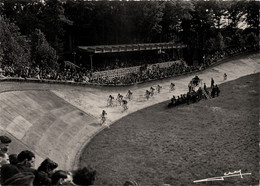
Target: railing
124	71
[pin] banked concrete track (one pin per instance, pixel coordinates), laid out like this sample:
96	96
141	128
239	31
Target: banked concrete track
45	123
56	121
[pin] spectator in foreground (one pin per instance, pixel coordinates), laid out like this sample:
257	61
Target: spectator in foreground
13	159
61	177
44	172
26	160
47	166
85	176
4	159
4	143
22	173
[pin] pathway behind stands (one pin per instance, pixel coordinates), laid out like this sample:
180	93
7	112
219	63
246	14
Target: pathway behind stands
57	121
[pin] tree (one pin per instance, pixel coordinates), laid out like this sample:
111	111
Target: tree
252	40
236	11
24	13
148	24
15	47
209	45
43	55
174	13
54	19
219	10
252	15
219	42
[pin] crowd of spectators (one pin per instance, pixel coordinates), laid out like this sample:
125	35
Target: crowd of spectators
64	74
18	169
193	96
126	60
212	58
78	74
146	74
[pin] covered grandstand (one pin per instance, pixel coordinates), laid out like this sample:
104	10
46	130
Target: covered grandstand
128	53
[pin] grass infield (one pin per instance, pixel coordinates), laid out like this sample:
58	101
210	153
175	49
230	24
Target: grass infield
176	146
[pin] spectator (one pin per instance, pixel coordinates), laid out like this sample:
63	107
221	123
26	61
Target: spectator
217	90
4	143
47	166
7	172
200	93
205	87
24	179
42	178
213	92
85	176
61	177
22	173
44	172
4	158
212	83
26	160
13	159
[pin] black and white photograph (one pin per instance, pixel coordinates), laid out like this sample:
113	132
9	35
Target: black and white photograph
129	92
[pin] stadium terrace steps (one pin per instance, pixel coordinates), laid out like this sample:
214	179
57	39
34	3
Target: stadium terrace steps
45	123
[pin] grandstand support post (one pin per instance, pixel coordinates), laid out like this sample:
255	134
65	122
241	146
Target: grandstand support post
91	66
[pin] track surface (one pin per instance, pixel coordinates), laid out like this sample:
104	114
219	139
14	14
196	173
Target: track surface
57	121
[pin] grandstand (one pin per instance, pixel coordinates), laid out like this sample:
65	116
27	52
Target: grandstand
130	48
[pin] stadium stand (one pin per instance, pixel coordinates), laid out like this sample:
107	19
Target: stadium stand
123	76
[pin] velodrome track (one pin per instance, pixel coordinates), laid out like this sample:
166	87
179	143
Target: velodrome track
57	121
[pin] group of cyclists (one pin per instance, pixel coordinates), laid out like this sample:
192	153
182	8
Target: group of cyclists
111	101
157	90
119	101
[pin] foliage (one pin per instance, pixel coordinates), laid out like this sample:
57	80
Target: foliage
68	23
43	55
252	17
52	14
215	44
219	43
174	13
14	48
209	45
252	40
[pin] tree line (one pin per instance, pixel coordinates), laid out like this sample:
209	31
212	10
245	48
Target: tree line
43	33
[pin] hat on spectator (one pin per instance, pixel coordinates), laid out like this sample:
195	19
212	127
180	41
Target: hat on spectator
5	139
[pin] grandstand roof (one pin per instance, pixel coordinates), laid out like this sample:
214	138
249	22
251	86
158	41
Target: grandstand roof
130	47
